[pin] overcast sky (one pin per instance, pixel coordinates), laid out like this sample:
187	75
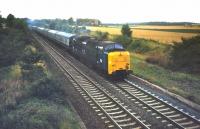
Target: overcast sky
108	11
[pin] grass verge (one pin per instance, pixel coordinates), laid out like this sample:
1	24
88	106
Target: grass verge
180	83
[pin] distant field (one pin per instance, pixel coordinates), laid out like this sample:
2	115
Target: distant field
163	34
166	27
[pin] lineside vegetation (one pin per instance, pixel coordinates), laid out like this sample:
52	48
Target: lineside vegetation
30	94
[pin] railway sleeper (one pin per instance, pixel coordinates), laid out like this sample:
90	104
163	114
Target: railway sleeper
98	93
167	113
120	116
194	127
180	119
150	101
109	106
174	116
186	123
144	96
164	109
135	91
99	98
103	101
96	96
112	109
145	99
129	124
152	104
138	94
159	106
116	113
123	120
107	103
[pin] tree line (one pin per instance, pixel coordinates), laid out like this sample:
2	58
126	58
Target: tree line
12	22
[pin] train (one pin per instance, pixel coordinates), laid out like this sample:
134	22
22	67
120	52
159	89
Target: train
106	56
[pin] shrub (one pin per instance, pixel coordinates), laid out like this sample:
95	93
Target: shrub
161	59
11	46
31	58
125	40
47	88
186	55
101	35
139	46
32	72
37	114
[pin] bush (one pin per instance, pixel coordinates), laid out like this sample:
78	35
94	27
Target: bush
47	88
37	114
161	59
139	46
32	56
124	40
11	46
32	72
101	35
186	55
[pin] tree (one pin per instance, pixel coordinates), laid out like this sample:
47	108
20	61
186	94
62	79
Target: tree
20	24
101	35
10	20
71	21
126	31
1	21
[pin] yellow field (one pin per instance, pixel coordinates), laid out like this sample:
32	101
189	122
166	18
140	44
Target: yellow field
166	27
161	36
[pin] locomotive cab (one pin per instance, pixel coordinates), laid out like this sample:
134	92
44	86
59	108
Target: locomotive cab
113	59
118	60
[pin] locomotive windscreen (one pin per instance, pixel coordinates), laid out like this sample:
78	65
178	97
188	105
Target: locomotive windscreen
113	47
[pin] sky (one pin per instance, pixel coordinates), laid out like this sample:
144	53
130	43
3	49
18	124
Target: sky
107	11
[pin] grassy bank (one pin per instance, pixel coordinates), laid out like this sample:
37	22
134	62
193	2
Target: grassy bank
32	94
180	83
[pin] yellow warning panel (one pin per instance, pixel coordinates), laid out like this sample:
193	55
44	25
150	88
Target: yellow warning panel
118	61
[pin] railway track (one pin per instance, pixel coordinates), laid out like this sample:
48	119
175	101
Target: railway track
108	107
161	108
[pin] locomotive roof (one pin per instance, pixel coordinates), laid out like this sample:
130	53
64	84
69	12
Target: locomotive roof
106	43
109	45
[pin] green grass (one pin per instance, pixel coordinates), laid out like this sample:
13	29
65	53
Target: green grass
36	113
183	84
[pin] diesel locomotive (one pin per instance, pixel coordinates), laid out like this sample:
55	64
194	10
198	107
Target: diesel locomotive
109	57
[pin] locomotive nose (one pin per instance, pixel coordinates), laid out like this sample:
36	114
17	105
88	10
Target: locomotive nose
118	62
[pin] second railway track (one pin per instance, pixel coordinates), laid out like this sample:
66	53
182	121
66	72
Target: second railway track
162	110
